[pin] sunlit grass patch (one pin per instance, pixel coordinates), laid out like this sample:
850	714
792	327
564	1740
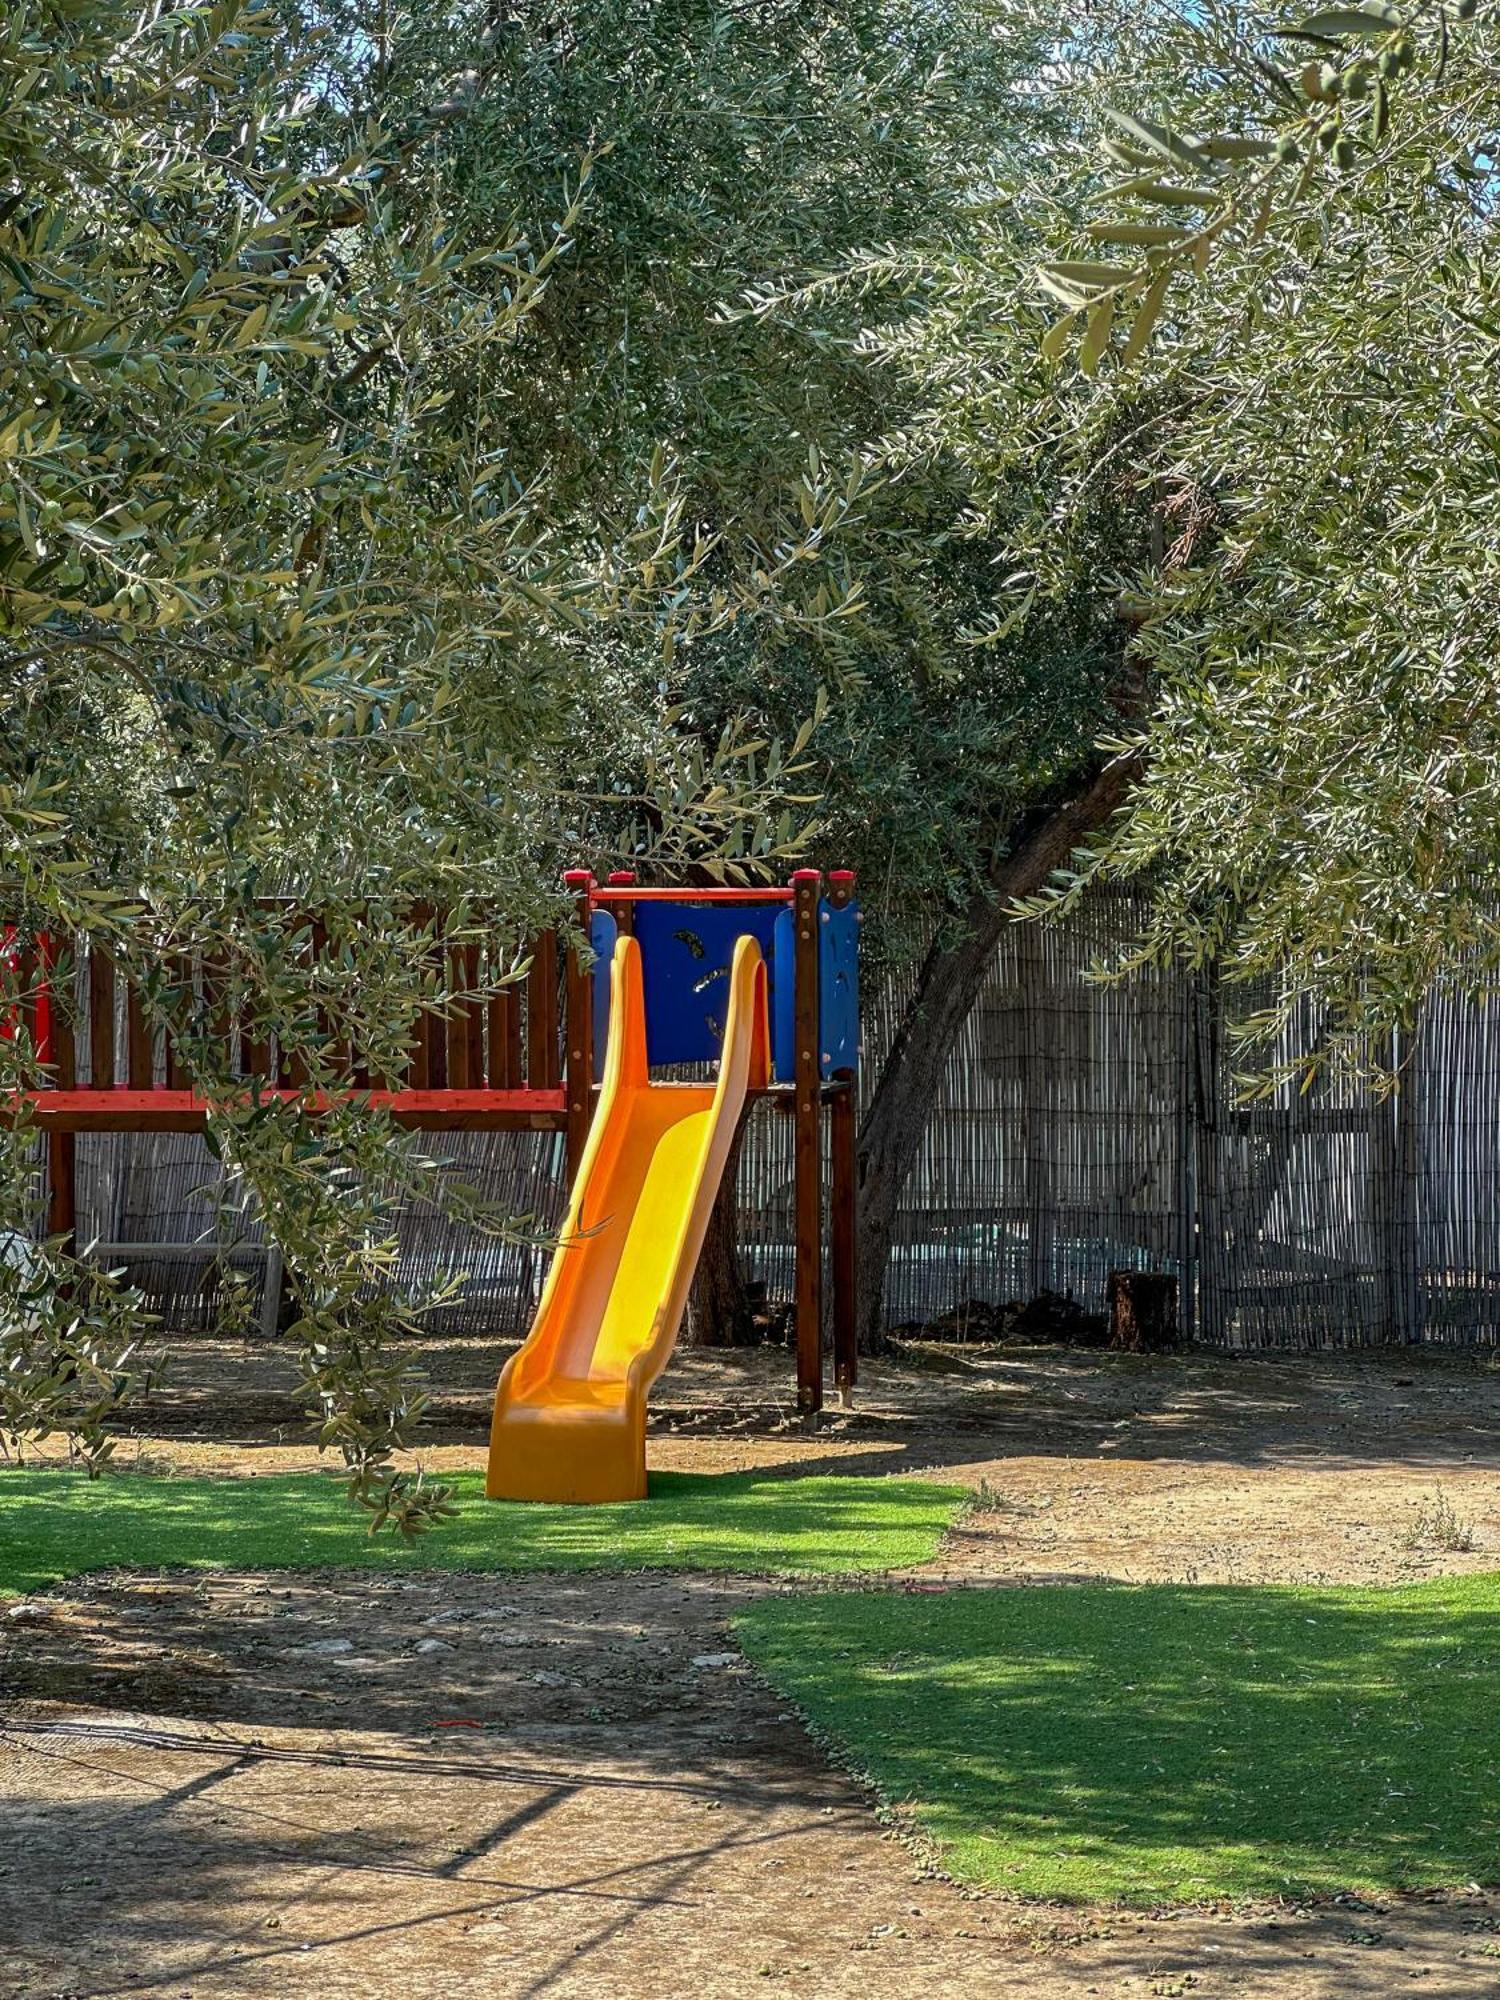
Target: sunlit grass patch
1166	1743
56	1524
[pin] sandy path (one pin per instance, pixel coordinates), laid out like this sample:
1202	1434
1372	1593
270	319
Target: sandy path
193	1804
217	1811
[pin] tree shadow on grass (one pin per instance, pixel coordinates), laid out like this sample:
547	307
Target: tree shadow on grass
1163	1742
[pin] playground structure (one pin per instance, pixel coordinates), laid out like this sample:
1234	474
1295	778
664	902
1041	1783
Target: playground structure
570	1408
528	1057
767	987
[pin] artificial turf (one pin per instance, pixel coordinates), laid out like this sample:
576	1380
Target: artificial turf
56	1524
1160	1743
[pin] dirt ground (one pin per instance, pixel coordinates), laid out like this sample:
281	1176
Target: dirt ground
243	1785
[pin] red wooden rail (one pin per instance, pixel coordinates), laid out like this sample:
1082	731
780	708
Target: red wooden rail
618	893
173	1110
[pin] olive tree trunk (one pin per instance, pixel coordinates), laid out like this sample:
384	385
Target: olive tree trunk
948	984
895	1122
719	1313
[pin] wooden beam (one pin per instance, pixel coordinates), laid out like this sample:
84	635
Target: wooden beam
807	1141
843	1218
578	1023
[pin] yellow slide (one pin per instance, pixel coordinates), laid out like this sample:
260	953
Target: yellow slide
570	1410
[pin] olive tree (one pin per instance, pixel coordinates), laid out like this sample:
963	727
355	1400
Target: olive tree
280	616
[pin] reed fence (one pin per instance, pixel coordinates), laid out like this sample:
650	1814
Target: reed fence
1081	1128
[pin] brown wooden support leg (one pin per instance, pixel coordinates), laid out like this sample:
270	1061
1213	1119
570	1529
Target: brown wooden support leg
62	1189
807	1142
62	1147
842	1246
578	1040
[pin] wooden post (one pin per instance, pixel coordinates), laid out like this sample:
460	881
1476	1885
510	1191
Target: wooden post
807	1141
623	913
62	1147
842	1246
579	1009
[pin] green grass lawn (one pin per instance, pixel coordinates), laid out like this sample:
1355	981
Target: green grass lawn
1153	1743
56	1524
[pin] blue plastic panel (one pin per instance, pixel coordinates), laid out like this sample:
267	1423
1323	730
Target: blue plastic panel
686	951
838	988
603	930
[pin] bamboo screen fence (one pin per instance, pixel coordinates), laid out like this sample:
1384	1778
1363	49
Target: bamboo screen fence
1081	1128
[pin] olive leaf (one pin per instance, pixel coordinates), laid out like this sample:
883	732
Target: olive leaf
1337	22
1147	314
1159	140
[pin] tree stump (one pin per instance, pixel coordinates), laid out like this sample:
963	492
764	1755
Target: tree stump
1142	1311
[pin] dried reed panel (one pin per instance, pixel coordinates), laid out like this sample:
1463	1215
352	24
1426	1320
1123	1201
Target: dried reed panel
1080	1128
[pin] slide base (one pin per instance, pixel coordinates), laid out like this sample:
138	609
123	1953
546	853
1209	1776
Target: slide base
562	1452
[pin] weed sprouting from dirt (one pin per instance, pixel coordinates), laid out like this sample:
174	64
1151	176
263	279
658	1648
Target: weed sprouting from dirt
1436	1525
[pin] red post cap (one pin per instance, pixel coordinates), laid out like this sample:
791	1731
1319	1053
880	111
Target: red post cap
621	878
578	878
841	874
807	875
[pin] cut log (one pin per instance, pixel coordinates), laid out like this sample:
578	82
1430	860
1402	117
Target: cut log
1142	1311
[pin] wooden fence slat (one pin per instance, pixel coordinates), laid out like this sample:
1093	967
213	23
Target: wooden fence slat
543	1055
474	1015
504	1033
101	975
140	1054
456	1026
179	1020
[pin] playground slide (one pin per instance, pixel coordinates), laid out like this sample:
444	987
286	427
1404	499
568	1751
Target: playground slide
570	1409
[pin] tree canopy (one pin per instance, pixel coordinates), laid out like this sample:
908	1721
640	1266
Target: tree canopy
441	447
1281	336
395	500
